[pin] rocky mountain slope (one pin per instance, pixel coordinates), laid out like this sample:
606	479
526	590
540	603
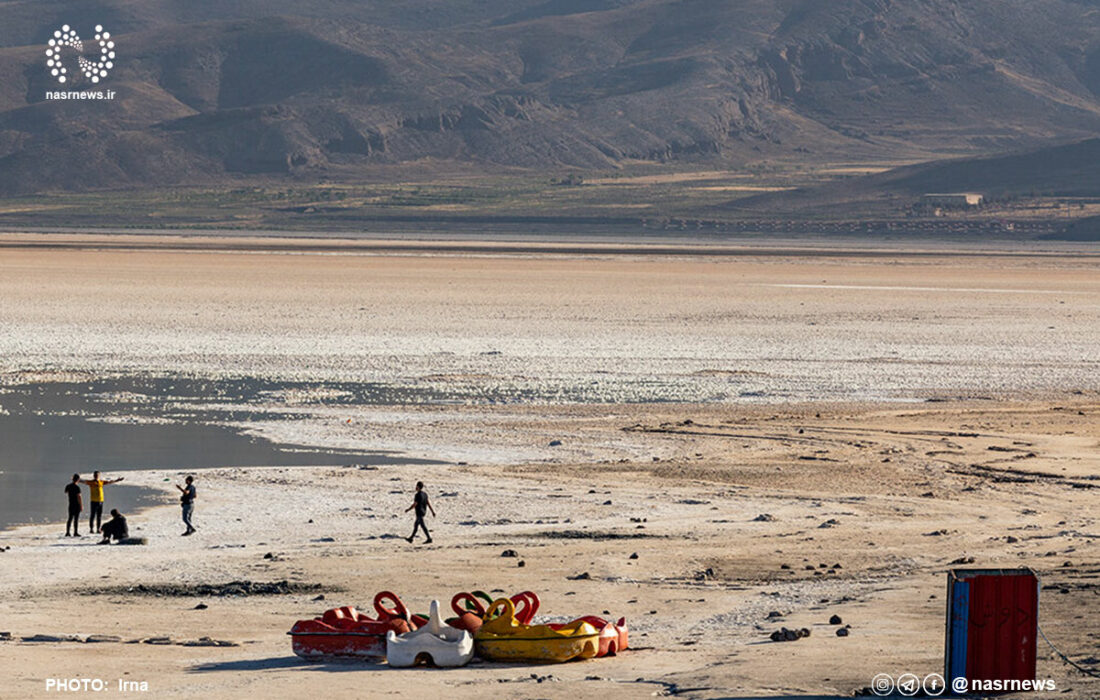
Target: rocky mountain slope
213	90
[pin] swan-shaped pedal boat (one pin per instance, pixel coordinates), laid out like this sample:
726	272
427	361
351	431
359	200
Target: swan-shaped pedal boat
347	633
503	637
435	643
471	612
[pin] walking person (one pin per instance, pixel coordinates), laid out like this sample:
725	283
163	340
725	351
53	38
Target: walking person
422	505
76	504
187	500
95	492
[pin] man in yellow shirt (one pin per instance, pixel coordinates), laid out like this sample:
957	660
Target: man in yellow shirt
95	488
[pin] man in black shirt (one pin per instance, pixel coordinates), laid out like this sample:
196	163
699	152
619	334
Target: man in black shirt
75	506
422	505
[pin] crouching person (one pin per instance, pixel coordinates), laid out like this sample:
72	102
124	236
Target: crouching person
115	528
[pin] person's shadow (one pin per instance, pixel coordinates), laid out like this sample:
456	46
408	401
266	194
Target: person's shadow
282	662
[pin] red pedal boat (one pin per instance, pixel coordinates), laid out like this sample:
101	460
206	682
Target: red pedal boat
614	636
347	633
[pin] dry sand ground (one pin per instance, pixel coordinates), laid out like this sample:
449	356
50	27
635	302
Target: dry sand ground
697	634
911	487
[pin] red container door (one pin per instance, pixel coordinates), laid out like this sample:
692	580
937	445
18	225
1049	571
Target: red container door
1002	629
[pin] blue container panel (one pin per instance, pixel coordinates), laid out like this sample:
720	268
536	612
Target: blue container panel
960	621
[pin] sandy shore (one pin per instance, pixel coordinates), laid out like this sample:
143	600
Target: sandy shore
698	596
889	415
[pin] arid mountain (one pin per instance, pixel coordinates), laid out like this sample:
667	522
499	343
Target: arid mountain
211	90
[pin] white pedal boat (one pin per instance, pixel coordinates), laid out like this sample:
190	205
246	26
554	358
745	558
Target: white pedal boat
435	643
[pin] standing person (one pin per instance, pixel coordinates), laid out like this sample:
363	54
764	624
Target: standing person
421	503
76	505
187	500
95	492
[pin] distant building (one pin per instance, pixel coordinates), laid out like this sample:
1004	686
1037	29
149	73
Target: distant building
953	200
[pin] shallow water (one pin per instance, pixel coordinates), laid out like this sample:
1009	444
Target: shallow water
48	432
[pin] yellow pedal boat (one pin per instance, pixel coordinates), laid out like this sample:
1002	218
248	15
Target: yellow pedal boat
503	638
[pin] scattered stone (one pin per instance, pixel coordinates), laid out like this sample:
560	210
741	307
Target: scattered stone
579	577
607	502
509	554
233	588
318	597
831	522
555	443
785	566
5	636
633	556
269	555
963	560
774	614
160	641
809	567
764	518
51	638
837	566
785	635
205	642
842	632
103	639
325	539
936	533
201	606
521	564
1011	540
928	494
835	620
